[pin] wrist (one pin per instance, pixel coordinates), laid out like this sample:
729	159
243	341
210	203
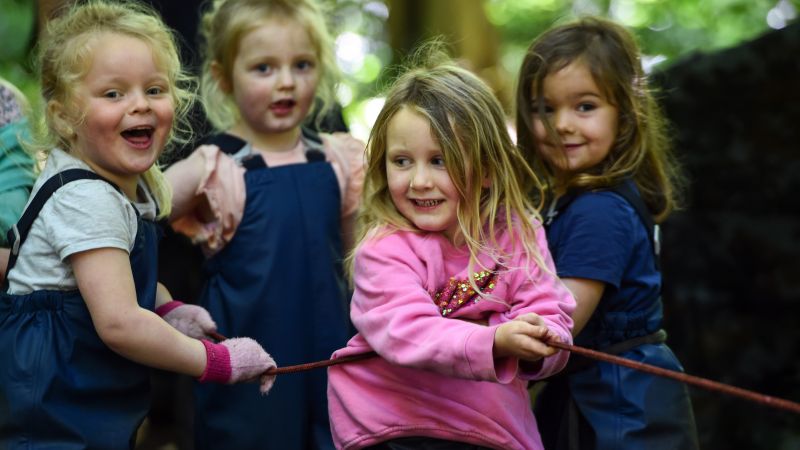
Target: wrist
218	364
166	308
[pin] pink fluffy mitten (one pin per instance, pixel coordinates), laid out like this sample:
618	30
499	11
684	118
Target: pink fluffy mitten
235	360
191	320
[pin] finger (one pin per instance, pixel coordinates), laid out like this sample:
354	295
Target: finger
531	318
536	349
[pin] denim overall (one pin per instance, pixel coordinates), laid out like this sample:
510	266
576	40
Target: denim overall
61	387
278	281
595	405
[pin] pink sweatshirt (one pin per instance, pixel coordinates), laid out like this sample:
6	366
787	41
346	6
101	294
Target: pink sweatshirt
436	376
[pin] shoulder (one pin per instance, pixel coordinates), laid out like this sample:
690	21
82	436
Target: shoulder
343	148
104	199
602	207
343	142
385	241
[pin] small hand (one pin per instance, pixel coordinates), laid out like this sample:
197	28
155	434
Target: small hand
191	320
525	338
238	360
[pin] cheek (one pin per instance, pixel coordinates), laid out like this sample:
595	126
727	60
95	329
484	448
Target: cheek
396	182
539	130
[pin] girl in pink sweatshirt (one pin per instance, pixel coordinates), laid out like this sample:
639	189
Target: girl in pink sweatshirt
454	286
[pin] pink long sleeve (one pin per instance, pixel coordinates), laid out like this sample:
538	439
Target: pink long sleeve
398	318
215	177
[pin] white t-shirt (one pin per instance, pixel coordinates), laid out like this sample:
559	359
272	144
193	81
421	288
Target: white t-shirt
81	215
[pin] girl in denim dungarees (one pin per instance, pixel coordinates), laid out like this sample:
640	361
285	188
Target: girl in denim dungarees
592	130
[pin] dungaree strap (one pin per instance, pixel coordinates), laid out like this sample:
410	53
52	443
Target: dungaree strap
653	230
232	145
19	231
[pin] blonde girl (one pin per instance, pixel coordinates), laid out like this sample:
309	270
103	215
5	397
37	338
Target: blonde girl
589	124
453	284
271	202
77	321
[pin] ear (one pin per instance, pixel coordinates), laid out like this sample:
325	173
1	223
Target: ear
218	74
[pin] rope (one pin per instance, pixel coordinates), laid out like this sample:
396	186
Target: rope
307	366
714	386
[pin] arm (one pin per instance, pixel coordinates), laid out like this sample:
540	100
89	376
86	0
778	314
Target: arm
397	317
129	330
208	197
541	309
140	335
587	296
346	154
184	177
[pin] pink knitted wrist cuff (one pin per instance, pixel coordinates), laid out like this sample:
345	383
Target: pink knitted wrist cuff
218	365
164	309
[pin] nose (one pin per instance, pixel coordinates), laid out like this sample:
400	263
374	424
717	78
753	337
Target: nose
420	179
286	78
562	120
140	103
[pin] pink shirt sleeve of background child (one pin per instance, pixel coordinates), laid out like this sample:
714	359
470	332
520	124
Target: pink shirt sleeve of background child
221	180
346	155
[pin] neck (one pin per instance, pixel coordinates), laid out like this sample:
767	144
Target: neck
269	142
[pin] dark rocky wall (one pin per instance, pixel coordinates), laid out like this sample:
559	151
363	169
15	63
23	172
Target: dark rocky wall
732	257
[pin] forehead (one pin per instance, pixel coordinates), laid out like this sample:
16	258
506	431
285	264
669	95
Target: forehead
573	79
120	54
408	129
279	37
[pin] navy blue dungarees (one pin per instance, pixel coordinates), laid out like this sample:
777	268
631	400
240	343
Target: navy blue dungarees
279	281
60	386
609	235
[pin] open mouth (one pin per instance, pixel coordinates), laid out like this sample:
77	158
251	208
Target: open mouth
139	137
427	203
283	105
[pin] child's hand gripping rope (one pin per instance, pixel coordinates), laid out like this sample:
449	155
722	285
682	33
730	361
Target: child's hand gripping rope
238	359
191	320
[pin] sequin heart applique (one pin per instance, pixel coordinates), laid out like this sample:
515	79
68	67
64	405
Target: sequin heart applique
459	293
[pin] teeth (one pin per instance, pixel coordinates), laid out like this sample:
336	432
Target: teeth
427	202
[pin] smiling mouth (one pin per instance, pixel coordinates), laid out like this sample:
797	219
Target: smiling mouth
427	203
139	136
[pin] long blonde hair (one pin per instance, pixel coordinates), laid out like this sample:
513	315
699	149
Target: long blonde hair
642	149
230	20
64	57
468	123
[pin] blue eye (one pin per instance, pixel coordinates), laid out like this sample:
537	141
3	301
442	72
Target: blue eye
305	65
438	161
586	107
263	68
112	94
155	90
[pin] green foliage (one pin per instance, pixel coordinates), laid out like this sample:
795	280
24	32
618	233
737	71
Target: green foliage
666	28
17	27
